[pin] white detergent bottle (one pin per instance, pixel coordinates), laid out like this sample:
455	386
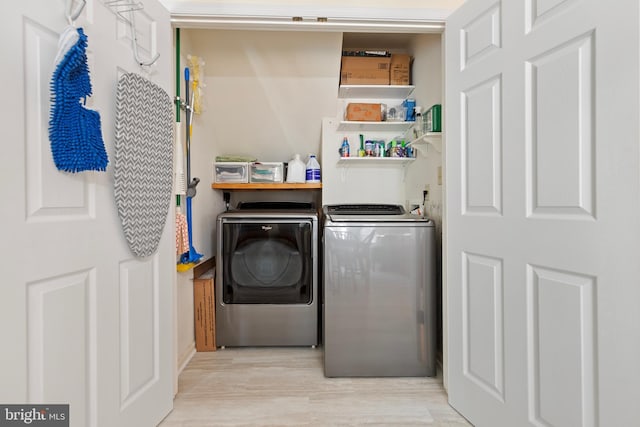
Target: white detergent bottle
313	170
296	170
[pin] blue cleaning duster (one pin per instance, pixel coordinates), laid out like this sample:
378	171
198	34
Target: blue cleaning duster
74	131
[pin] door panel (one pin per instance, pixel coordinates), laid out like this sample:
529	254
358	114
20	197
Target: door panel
483	342
139	335
59	310
482	148
88	323
45	201
543	212
560	140
561	347
481	36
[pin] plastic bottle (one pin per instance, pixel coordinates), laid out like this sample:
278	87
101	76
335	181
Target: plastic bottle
296	170
313	169
344	149
418	128
392	151
368	148
410	105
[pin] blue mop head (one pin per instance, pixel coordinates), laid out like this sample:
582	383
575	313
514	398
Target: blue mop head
74	131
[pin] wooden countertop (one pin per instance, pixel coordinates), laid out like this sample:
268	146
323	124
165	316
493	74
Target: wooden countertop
266	186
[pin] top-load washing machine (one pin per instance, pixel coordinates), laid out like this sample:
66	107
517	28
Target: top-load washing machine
379	292
267	275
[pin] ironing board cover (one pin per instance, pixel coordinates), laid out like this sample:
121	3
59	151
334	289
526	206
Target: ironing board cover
143	161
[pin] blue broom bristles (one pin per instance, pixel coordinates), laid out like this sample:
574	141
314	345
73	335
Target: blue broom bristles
75	131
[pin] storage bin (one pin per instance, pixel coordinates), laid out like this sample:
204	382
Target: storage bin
433	119
237	172
269	172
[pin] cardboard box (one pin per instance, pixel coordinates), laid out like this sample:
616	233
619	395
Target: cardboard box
365	70
360	112
400	69
204	311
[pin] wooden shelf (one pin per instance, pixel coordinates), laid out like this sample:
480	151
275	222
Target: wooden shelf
266	186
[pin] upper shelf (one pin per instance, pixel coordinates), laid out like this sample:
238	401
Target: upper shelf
375	91
375	126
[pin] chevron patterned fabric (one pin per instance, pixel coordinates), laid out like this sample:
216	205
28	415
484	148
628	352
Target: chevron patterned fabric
143	161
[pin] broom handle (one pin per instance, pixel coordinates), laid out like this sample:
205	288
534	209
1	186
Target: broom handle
188	124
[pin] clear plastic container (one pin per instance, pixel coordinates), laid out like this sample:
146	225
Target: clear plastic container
266	172
234	172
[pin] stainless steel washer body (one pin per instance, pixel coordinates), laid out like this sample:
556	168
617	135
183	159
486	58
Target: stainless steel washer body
379	292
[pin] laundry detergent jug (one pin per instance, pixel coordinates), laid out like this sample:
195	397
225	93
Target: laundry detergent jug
296	170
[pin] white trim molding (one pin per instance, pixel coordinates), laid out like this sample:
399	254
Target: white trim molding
243	16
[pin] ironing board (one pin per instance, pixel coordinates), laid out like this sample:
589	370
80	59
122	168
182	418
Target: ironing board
143	170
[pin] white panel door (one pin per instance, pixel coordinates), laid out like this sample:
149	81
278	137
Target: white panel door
84	322
543	212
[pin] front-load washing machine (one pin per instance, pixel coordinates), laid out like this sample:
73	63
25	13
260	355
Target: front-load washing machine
267	275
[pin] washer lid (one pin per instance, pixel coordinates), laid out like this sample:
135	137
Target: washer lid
275	206
364	209
369	212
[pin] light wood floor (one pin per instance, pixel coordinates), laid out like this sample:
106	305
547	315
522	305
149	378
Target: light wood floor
287	387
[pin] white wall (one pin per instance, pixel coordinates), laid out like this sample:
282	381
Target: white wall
266	91
427	77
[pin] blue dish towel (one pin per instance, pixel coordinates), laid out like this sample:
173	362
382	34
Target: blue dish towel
74	131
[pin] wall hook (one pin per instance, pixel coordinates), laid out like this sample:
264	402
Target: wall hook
122	8
134	42
72	15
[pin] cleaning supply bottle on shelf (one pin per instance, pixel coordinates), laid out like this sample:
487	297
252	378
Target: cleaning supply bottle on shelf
313	170
296	170
344	149
418	127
